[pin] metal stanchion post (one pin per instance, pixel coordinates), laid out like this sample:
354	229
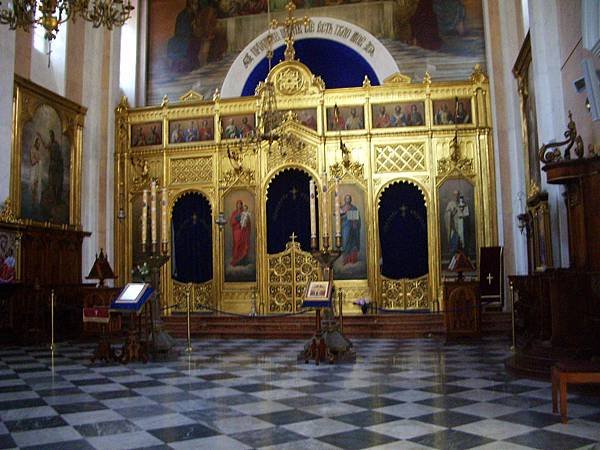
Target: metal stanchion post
52	347
189	333
512	313
340	296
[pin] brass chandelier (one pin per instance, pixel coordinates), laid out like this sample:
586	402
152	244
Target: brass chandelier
50	14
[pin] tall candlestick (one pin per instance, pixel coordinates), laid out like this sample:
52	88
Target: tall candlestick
153	211
313	210
163	216
145	217
325	209
338	220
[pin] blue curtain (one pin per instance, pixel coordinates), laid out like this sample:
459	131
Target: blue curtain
403	232
338	65
288	210
192	239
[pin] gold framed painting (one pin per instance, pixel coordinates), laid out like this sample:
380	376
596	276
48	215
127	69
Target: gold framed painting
46	156
10	256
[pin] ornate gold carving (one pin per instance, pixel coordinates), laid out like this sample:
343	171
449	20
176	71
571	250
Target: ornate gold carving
366	82
354	168
141	171
534	189
427	79
397	78
191	96
405	294
242	176
289	273
292	149
290	81
455	163
201	296
408	157
477	76
192	170
7	215
290	23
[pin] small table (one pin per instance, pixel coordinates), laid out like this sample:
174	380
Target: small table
574	373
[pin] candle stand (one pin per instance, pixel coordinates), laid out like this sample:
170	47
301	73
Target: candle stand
161	341
328	342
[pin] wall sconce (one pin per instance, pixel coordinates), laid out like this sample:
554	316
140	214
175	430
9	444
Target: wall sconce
221	221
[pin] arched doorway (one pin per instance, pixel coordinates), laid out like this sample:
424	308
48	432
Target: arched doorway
192	239
290	264
403	238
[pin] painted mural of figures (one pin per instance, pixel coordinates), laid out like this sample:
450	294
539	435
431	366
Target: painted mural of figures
246	129
353	122
8	267
231	130
456	214
424	26
350	221
197	39
398	118
450	16
177	135
444	116
462	116
56	167
240	223
415	118
35	173
383	118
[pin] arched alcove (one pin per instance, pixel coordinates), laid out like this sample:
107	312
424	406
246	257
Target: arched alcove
288	210
403	232
191	235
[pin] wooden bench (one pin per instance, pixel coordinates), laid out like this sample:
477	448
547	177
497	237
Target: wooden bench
574	373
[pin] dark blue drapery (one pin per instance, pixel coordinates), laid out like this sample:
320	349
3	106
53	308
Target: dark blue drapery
288	210
192	239
338	65
403	232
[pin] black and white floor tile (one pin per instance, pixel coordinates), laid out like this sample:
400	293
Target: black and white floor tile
247	394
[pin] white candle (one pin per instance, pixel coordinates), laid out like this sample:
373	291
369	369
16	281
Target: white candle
313	208
325	210
163	216
145	217
153	211
336	213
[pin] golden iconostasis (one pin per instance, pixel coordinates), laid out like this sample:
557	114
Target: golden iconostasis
412	162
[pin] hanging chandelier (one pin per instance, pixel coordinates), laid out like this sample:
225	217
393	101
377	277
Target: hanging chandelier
50	14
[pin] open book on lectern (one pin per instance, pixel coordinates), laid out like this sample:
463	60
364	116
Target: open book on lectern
132	298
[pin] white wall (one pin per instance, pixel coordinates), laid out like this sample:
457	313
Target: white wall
7	62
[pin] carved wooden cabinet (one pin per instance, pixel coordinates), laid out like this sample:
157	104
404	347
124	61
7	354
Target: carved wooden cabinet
462	309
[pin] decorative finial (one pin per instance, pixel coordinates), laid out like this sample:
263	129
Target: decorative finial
534	189
216	95
289	24
165	101
477	76
427	78
123	105
366	82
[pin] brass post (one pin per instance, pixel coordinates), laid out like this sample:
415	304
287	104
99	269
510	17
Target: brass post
512	314
52	347
189	333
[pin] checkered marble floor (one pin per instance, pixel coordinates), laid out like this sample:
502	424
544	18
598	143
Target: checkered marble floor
241	394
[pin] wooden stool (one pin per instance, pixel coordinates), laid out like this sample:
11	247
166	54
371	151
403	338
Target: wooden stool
574	373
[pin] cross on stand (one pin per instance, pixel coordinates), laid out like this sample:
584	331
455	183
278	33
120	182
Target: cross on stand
289	23
490	277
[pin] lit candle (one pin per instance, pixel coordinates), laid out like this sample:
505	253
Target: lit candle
145	217
313	210
324	203
153	210
163	216
336	213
